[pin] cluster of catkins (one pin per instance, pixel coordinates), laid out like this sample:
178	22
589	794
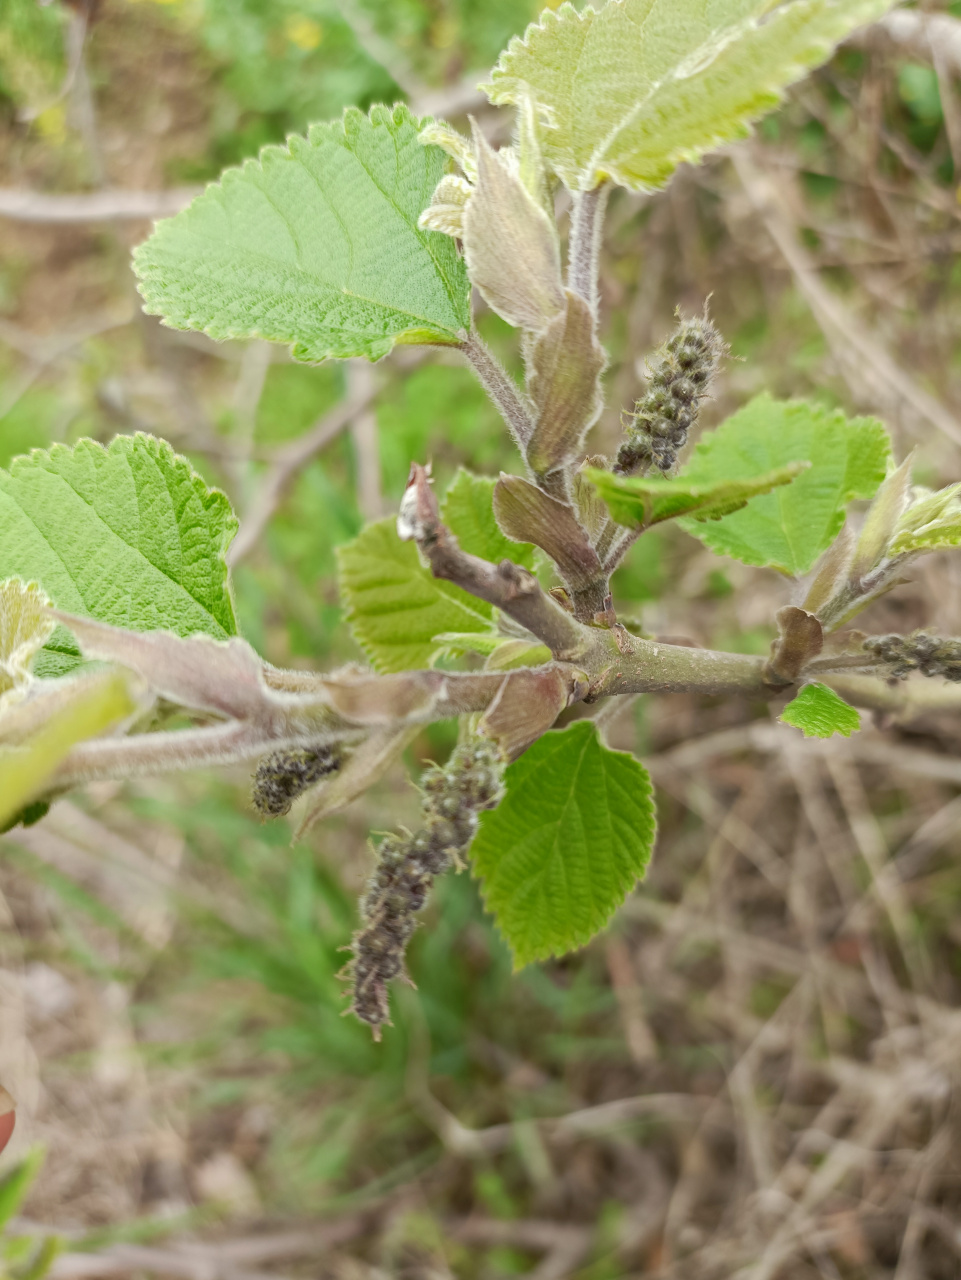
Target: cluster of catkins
453	797
931	655
679	374
284	775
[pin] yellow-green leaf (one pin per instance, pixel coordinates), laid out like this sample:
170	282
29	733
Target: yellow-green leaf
631	90
820	713
100	702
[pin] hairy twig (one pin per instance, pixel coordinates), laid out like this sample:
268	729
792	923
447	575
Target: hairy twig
584	247
506	585
501	388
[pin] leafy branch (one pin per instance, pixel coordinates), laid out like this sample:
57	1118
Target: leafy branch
369	233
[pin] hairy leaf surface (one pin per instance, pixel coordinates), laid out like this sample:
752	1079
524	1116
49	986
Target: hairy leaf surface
567	843
316	244
820	713
631	90
789	528
128	534
641	501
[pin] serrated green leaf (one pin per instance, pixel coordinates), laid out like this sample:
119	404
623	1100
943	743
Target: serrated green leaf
100	702
468	510
820	713
395	606
632	90
932	522
641	501
566	845
316	244
789	528
128	534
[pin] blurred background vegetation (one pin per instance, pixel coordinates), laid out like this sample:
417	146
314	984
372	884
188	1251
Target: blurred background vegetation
757	1066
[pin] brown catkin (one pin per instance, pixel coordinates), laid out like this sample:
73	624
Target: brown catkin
453	797
284	775
931	655
679	374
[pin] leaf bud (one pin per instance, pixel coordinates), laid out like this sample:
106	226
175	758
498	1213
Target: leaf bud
510	245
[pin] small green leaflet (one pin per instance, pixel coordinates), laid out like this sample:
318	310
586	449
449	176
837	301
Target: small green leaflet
567	844
819	713
316	244
400	614
128	534
631	90
789	528
468	509
395	606
641	501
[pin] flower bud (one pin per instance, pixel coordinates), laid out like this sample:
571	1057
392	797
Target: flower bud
679	375
510	245
284	775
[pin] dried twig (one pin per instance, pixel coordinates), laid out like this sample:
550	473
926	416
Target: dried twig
286	465
109	205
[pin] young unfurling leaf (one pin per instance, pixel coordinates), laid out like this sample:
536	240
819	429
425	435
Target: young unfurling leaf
510	244
563	382
98	702
932	521
631	89
638	502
